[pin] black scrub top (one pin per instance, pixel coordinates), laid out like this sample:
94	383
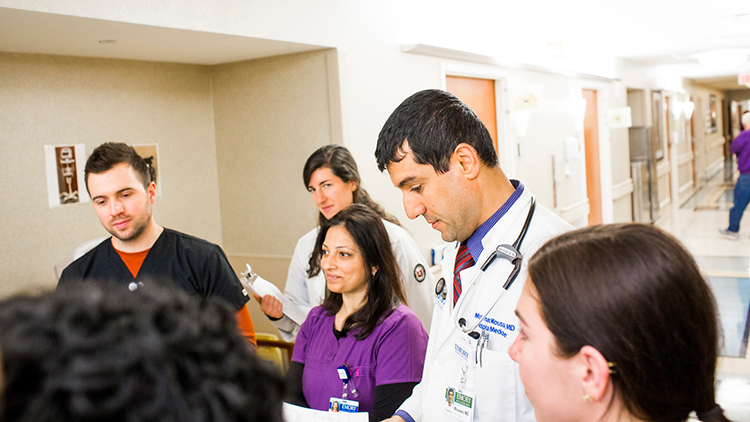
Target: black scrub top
197	266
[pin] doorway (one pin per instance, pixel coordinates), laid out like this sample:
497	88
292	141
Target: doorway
591	146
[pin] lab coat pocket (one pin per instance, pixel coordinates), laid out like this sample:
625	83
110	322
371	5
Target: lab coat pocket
495	388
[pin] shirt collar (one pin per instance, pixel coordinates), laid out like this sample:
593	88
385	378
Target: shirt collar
474	242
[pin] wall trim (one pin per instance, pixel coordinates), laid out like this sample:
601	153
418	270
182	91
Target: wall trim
685	158
686	187
575	211
259	255
662	169
714	168
449	53
622	189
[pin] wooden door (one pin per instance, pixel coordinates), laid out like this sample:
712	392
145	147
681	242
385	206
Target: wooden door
591	141
656	122
479	95
692	146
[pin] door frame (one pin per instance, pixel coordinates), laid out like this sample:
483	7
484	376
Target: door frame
605	147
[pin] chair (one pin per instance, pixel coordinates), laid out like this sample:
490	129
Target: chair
274	350
78	252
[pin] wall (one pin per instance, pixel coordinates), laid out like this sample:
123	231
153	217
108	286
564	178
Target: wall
375	75
51	100
707	147
270	115
737	94
683	154
638	107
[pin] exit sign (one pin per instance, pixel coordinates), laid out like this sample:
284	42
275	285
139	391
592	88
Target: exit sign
743	79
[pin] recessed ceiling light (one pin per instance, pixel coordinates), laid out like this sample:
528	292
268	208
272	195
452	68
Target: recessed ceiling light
107	41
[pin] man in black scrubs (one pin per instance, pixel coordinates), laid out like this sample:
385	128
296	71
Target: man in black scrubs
141	251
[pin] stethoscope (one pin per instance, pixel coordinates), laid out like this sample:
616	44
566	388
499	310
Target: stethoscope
509	252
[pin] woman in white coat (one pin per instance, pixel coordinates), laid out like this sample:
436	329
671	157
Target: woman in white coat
331	176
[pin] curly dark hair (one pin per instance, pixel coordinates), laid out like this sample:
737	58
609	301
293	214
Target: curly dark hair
98	352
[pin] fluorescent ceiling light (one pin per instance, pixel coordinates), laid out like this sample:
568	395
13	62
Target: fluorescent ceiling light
720	60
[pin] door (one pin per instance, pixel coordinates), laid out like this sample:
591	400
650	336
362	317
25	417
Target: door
591	142
666	117
692	147
479	95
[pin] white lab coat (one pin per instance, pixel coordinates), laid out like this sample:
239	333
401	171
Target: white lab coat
498	391
310	292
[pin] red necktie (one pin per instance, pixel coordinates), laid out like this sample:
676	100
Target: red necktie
463	261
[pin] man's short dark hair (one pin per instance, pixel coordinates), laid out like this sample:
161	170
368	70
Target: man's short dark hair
92	351
110	154
433	123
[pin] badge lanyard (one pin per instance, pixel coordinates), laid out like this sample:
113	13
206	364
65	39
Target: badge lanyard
346	376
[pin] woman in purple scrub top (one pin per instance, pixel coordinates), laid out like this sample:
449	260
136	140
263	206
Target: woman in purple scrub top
331	176
363	344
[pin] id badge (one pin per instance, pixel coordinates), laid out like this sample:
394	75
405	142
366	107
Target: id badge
460	403
336	404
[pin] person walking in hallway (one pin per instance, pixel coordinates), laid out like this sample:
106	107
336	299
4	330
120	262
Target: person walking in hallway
741	148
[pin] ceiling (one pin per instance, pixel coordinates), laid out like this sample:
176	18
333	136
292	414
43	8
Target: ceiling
660	33
24	31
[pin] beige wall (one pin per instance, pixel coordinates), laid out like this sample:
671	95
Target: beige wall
270	115
51	100
708	147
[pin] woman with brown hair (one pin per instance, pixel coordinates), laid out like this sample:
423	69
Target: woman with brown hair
362	348
617	324
332	178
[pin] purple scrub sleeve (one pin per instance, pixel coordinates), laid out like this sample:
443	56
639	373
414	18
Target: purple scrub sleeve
393	353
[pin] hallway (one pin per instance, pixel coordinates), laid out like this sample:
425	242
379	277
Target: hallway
726	263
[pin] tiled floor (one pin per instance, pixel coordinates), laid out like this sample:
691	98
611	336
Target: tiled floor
726	263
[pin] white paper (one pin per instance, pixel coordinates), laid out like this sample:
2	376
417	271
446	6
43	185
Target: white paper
294	413
262	287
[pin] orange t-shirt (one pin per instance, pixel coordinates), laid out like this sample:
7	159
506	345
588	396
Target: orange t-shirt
134	261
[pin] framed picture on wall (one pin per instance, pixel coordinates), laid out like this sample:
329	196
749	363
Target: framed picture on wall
711	115
65	165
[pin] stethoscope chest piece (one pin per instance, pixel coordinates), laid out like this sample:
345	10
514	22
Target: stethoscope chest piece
440	288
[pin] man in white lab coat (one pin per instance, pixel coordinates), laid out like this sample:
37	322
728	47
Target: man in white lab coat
441	156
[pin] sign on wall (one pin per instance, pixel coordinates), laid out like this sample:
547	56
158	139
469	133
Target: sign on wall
619	117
